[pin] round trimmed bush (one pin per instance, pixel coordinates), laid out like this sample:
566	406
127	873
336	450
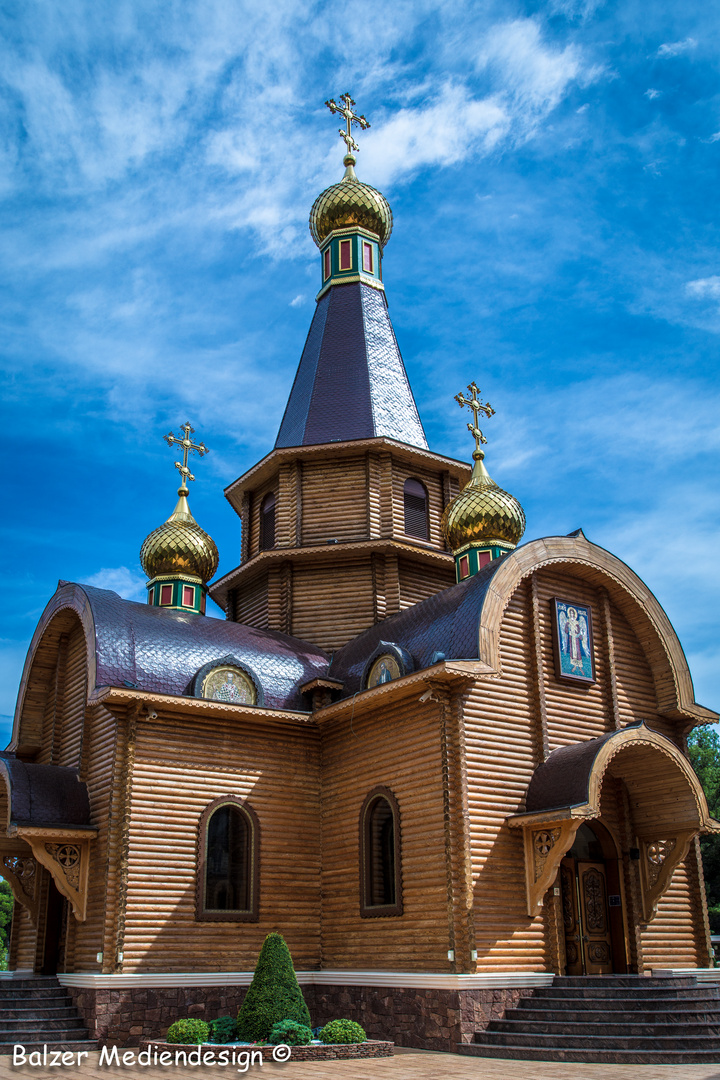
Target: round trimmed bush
188	1031
223	1030
342	1031
273	994
290	1033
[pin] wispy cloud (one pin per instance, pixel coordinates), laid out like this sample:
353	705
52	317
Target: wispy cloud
676	48
119	579
652	93
705	288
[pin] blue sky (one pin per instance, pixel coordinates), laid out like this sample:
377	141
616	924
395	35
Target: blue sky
552	168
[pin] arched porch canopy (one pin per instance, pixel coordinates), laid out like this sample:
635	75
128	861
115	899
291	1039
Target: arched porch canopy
667	805
44	819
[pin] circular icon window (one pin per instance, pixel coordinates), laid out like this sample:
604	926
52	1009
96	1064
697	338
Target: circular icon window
229	684
385	669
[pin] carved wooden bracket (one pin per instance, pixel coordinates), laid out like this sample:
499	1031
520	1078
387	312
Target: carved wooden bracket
20	872
545	845
66	854
659	858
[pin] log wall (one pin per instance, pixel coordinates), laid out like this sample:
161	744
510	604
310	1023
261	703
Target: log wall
180	766
396	746
332	603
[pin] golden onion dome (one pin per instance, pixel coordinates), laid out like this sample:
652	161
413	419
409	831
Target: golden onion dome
482	513
351	202
180	546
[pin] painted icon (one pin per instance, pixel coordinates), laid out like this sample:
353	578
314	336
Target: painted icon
229	684
572	633
385	669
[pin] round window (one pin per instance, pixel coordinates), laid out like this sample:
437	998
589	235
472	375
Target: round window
385	669
229	684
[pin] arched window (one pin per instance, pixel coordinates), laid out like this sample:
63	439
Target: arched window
228	883
416	509
380	881
267	522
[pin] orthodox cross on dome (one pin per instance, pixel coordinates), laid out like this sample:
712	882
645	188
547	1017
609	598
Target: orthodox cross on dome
188	447
346	110
477	407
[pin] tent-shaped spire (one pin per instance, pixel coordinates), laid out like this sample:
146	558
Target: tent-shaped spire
351	382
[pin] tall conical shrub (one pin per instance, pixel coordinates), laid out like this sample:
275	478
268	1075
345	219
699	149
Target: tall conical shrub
274	994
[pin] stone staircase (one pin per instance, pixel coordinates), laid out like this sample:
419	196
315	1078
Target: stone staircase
38	1012
623	1019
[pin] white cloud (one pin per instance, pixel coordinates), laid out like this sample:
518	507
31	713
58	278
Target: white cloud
705	288
127	583
652	93
676	48
713	138
575	9
298	301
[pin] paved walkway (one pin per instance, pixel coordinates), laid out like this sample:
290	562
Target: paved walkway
406	1065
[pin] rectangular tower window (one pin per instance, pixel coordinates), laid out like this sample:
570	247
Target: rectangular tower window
166	594
368	258
326	263
151	596
345	255
188	596
484	557
464	566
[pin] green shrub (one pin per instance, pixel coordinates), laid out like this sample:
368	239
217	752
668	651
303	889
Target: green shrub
223	1030
290	1033
342	1031
274	993
188	1031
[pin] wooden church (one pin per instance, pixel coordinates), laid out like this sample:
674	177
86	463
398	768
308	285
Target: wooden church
444	766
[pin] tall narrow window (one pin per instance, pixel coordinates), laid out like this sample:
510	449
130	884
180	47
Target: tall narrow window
228	885
368	258
380	889
267	522
345	255
326	264
416	510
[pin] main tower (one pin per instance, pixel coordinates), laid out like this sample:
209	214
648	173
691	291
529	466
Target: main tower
341	521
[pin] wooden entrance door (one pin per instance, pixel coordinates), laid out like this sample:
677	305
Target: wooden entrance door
588	945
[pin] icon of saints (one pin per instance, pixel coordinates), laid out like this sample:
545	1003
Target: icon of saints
230	690
575	638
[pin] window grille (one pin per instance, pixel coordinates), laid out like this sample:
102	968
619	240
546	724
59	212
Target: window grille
416	514
267	522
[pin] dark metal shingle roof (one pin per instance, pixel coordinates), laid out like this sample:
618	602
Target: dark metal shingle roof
447	623
351	382
159	650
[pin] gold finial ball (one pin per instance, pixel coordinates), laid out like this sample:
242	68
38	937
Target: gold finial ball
179	546
483	513
351	202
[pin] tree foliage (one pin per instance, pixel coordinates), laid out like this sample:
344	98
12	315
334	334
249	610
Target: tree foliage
704	751
274	994
6	911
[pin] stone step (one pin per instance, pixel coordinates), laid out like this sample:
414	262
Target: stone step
579	993
31	994
39	981
592	1055
46	1012
22	1007
630	981
691	1015
11	1027
600	1041
644	1031
74	1044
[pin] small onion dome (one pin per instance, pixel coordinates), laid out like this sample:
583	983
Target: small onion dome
180	546
482	513
351	203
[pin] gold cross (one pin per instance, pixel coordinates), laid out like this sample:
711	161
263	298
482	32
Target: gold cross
477	407
346	110
188	447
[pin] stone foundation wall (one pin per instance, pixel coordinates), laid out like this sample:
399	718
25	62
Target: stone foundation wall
424	1019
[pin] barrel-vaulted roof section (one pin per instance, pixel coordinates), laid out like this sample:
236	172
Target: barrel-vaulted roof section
464	621
351	382
140	647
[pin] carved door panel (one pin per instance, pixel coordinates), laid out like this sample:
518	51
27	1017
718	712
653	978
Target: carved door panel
571	922
597	944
